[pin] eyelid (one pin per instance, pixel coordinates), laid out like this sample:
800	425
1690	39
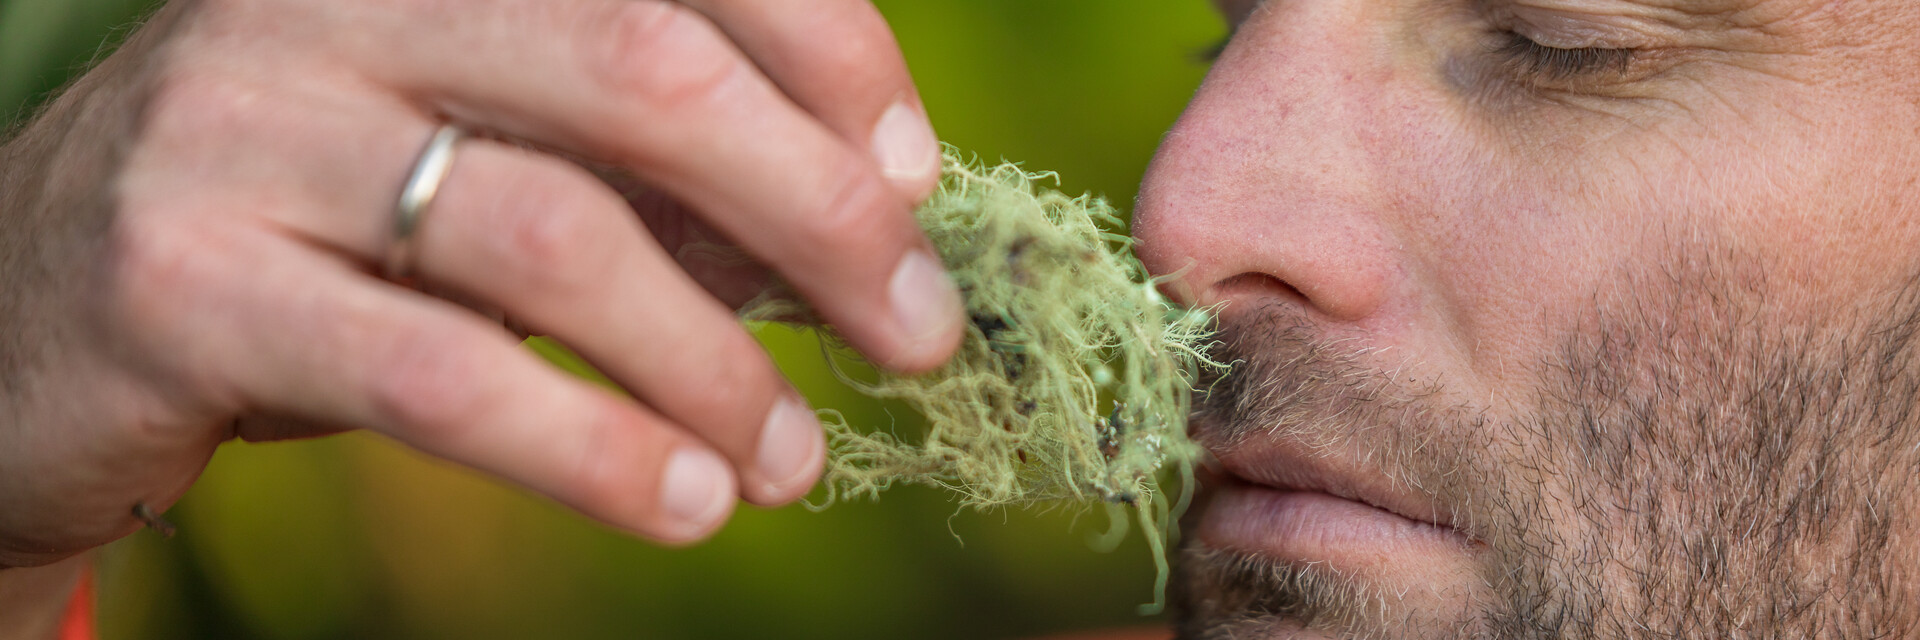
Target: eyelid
1554	66
1568	29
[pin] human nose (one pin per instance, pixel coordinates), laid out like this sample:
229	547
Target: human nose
1287	175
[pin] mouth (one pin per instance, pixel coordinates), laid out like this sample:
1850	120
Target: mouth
1287	502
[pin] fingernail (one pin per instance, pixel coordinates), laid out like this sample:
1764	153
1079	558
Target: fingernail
789	446
695	491
904	144
925	302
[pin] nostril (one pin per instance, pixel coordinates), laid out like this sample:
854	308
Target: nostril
1257	287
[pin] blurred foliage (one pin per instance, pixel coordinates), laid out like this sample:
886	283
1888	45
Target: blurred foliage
43	42
353	536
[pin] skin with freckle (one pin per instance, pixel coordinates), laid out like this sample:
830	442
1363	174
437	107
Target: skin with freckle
1623	291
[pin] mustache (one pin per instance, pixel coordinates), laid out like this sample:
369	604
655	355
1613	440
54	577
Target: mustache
1290	378
1293	381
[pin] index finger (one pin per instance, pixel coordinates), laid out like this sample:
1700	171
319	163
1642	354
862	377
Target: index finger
838	60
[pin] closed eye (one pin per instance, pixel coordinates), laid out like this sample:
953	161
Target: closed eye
1553	63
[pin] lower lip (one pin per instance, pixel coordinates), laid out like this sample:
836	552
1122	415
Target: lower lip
1315	527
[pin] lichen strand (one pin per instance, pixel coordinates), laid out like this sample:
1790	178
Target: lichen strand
1073	381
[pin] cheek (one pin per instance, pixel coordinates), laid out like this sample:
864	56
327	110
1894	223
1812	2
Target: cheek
1528	240
1818	195
1802	209
1522	229
1503	248
1531	230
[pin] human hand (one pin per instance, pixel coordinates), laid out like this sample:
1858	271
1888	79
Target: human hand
195	232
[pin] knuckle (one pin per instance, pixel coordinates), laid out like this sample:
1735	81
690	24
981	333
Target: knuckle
195	105
860	59
847	216
600	481
162	274
665	55
723	385
428	380
156	262
556	232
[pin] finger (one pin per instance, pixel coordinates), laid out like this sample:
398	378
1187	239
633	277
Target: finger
218	129
838	59
553	246
524	248
537	238
324	126
656	87
301	335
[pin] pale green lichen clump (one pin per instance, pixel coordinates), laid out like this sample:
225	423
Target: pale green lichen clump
1072	384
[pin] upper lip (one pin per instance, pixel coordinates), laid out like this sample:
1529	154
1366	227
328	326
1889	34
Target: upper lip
1288	465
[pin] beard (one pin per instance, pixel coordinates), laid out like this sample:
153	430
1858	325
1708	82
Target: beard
1694	461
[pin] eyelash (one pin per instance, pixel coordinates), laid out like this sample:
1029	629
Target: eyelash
1532	57
1555	63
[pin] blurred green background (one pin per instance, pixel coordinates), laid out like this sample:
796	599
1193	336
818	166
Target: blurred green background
356	537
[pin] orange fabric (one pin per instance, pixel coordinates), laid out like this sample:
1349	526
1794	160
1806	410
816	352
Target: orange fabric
77	624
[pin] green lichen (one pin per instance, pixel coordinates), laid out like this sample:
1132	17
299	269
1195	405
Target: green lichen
1072	384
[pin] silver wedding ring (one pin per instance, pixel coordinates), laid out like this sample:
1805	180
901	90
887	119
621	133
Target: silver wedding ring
436	161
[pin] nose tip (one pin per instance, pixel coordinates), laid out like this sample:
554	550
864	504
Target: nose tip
1233	242
1347	292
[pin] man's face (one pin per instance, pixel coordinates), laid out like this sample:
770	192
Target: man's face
1556	318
